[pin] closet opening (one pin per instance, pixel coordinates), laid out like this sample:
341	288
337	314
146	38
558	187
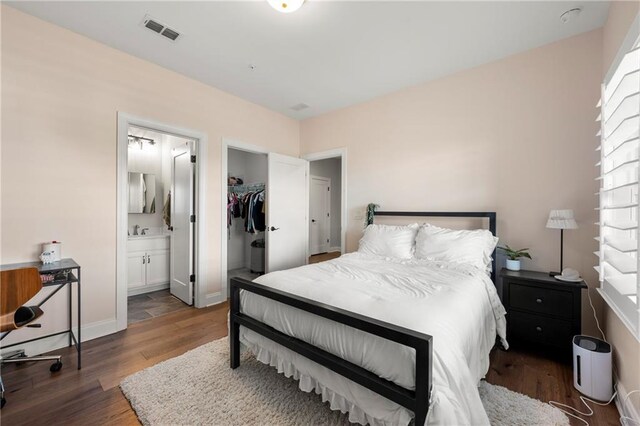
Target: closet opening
160	222
246	213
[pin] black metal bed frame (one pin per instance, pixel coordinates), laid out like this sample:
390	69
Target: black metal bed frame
415	400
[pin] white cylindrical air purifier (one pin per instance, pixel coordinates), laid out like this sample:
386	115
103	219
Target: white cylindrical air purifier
592	374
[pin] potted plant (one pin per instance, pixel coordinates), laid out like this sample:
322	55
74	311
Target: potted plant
513	257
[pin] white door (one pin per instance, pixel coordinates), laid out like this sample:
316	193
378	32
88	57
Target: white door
182	209
286	211
157	267
319	220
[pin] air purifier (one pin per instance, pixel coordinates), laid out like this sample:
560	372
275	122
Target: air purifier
592	374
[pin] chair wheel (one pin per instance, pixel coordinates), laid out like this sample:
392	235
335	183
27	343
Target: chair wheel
55	367
2	402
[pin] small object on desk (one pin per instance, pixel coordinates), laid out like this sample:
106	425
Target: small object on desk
55	250
45	278
569	275
47	257
543	313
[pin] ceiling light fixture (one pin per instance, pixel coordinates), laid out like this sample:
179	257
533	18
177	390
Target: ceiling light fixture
286	6
570	14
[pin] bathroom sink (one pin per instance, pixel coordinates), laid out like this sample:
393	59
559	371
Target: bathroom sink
142	237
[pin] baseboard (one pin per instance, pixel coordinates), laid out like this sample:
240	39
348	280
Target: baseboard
147	289
89	332
235	265
628	409
214	298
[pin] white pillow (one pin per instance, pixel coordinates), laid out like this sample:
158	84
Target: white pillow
457	246
389	241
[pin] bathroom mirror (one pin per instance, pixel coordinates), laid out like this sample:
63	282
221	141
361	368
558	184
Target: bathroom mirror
142	193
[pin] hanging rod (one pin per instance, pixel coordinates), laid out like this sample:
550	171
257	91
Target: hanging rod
246	188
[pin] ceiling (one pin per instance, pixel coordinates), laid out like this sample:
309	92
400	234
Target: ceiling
328	54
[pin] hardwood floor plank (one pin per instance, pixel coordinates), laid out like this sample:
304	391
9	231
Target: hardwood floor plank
92	395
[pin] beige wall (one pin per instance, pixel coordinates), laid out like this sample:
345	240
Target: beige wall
60	96
626	347
516	136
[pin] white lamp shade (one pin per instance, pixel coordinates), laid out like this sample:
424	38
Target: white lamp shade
286	6
561	219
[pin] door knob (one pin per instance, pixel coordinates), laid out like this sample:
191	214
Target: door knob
313	220
273	228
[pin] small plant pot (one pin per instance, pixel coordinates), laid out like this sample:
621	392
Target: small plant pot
513	265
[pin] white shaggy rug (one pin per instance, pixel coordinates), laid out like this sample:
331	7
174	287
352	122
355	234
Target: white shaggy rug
198	387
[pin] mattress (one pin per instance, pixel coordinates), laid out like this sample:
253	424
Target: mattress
457	304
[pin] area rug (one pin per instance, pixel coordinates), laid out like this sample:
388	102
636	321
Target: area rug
198	387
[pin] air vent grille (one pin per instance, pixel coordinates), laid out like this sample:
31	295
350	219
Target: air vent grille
153	25
157	27
169	33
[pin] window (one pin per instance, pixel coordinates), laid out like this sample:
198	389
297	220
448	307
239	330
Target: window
619	159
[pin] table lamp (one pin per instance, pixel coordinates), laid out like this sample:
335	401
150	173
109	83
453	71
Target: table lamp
561	219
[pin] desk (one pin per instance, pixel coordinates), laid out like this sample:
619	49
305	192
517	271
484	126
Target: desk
52	268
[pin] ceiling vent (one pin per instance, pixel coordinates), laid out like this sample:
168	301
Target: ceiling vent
157	27
299	107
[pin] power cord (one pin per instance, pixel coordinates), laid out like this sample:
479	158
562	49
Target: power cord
564	407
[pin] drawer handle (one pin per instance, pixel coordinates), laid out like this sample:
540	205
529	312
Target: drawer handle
538	300
539	329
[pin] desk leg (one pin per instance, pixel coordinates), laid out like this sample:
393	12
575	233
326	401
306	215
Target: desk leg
70	312
79	322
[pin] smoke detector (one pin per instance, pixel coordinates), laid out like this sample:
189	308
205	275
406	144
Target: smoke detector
159	28
570	14
299	107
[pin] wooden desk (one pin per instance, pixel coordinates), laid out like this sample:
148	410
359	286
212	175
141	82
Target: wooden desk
52	268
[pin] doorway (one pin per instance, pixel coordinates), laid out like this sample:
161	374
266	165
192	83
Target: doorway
246	219
159	228
319	214
326	205
264	211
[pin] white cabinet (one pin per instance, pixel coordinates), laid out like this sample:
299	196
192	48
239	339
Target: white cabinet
147	264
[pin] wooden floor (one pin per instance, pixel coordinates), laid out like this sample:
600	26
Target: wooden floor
92	396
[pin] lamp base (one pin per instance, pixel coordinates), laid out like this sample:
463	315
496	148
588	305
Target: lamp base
553	274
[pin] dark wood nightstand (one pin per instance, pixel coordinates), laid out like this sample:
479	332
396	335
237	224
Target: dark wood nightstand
542	312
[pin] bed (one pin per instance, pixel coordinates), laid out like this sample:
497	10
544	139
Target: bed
382	338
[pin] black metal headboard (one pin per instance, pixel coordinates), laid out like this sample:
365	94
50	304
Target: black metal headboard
490	215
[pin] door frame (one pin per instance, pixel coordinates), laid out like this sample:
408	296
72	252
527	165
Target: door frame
327	207
201	299
224	170
342	154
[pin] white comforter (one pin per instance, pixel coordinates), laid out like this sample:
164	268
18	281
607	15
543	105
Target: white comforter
456	304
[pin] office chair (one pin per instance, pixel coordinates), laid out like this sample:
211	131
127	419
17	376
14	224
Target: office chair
17	287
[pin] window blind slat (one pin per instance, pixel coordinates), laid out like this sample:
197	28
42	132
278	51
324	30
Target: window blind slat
625	147
623	263
630	83
628	107
628	65
625	225
624	245
625	129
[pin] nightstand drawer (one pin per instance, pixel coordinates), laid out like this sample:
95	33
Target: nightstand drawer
536	328
542	300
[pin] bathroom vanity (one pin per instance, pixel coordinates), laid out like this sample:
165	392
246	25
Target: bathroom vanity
147	263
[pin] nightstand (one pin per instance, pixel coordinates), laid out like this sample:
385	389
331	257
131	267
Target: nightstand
542	312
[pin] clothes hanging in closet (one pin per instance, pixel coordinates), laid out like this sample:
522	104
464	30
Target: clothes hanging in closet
249	206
